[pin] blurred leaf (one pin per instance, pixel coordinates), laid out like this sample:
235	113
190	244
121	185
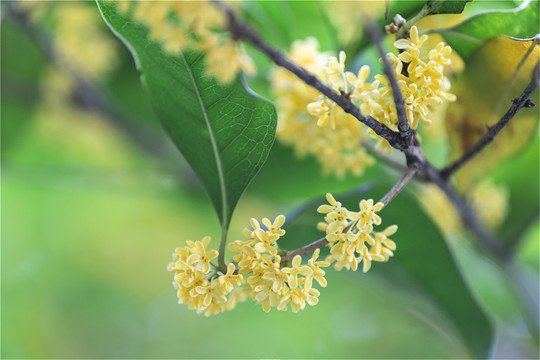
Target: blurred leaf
422	262
224	131
21	66
484	93
449	6
521	22
285	177
405	8
273	20
521	177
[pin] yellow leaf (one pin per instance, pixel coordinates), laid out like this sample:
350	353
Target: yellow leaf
484	93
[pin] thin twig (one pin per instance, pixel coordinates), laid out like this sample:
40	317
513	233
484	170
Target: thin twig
390	161
243	31
517	104
304	249
400	184
403	123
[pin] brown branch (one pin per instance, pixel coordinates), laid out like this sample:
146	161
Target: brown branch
240	30
517	104
304	249
396	189
403	123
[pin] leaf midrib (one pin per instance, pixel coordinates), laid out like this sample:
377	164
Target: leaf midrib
221	175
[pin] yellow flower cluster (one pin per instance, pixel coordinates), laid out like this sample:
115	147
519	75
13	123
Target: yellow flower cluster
258	273
180	25
271	284
420	77
199	284
350	233
488	200
81	40
337	150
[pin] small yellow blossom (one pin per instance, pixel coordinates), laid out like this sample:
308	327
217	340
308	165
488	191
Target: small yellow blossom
317	273
296	270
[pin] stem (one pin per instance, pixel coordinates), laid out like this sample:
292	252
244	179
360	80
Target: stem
425	11
403	123
304	249
222	246
396	189
517	104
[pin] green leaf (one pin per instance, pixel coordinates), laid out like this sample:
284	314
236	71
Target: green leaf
224	131
484	93
521	22
422	263
448	7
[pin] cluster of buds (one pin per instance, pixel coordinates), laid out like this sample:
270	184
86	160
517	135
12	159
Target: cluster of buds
350	234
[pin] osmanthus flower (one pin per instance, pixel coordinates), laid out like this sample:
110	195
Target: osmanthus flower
274	228
298	297
271	271
296	270
323	109
414	41
367	214
383	245
317	272
199	256
440	54
229	280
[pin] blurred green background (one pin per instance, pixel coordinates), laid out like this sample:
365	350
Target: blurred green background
90	220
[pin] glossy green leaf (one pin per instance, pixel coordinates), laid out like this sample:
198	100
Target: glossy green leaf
484	93
448	7
521	22
224	131
422	263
